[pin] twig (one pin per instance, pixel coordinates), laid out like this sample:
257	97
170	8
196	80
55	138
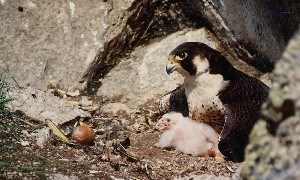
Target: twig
230	169
16	83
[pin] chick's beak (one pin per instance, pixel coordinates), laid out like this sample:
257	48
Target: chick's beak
172	65
162	125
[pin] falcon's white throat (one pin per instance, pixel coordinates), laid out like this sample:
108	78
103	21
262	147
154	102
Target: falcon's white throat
202	91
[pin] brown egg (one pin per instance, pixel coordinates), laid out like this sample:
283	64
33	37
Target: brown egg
84	134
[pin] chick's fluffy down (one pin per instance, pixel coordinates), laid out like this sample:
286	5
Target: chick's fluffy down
187	136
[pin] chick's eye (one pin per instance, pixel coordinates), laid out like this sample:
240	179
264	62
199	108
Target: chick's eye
181	55
168	120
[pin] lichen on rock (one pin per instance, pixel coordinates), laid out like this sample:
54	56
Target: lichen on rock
273	151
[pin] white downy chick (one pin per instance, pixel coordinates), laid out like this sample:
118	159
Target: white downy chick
188	136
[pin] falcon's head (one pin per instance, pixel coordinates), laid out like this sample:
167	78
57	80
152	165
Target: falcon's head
194	59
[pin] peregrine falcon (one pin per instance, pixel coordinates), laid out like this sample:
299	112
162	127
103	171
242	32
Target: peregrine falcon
217	94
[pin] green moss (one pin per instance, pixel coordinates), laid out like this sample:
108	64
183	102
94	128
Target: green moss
36	170
27	164
13	158
3	164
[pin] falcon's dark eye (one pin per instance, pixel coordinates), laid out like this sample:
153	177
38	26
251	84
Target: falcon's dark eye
181	56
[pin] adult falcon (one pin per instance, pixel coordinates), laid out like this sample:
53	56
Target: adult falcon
218	94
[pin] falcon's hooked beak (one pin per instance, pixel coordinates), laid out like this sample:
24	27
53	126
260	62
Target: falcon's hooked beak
172	65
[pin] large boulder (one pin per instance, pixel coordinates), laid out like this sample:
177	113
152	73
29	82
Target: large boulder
142	77
249	30
254	32
50	42
273	152
60	43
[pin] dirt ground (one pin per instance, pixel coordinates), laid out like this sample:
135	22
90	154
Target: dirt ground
124	148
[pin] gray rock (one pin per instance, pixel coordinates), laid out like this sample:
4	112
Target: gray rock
273	151
61	43
39	105
115	108
137	80
202	177
41	136
247	30
50	42
254	32
129	21
54	176
290	173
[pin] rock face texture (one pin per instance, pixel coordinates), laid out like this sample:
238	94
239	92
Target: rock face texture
250	30
273	152
258	39
40	106
143	76
60	43
50	42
